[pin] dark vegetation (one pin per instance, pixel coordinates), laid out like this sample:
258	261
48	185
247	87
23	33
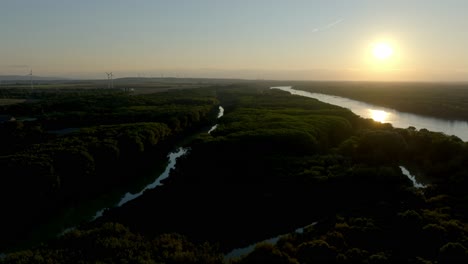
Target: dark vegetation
21	87
277	162
443	100
113	243
118	138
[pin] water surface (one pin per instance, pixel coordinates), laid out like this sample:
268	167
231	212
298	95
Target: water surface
220	114
411	177
387	115
173	156
238	252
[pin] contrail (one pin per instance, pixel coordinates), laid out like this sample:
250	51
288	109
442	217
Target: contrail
330	25
334	23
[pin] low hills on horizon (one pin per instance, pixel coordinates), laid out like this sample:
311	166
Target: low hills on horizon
23	78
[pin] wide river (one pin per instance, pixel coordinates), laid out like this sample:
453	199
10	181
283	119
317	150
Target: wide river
387	115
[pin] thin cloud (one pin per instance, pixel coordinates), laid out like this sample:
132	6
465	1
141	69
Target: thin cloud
334	23
328	26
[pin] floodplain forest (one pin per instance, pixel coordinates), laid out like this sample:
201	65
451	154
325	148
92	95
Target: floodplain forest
275	162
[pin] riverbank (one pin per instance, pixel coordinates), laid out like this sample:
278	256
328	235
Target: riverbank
276	162
386	115
434	100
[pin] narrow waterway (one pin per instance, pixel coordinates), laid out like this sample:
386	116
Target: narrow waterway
238	252
173	156
412	178
387	115
220	114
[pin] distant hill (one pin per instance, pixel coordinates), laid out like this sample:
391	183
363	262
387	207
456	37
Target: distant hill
27	78
10	78
179	80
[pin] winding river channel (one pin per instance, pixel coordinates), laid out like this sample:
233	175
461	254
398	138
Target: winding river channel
380	114
397	119
172	156
387	115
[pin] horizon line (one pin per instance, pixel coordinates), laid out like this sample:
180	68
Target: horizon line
54	78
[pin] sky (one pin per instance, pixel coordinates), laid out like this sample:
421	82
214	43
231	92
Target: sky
252	39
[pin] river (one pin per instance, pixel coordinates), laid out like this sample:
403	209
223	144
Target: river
360	108
239	252
416	184
220	114
380	114
387	115
396	118
172	156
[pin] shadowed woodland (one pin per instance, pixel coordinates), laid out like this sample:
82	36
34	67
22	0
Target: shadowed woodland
275	162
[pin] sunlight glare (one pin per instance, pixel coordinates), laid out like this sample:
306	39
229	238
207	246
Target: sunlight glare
379	115
382	51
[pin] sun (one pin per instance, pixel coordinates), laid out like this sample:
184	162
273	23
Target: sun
383	57
382	51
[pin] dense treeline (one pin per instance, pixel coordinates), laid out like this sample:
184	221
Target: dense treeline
113	243
414	236
46	173
56	111
277	162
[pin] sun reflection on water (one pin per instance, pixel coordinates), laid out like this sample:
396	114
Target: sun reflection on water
379	115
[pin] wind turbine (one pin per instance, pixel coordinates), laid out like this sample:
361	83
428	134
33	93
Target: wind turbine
112	80
109	78
31	79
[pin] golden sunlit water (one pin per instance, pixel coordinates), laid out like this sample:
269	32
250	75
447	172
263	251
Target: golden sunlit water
385	115
379	115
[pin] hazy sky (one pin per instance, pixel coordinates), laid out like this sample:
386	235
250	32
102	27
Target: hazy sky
269	39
